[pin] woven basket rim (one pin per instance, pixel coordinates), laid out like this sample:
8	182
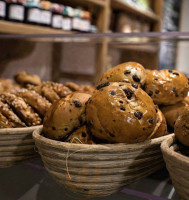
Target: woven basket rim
19	130
38	137
165	148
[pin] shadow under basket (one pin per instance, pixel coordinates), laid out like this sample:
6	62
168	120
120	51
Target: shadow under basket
16	144
176	157
98	170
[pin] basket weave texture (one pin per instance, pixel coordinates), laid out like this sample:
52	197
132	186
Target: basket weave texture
98	170
16	144
177	165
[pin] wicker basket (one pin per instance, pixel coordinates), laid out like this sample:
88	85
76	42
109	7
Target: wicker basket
98	170
177	165
16	144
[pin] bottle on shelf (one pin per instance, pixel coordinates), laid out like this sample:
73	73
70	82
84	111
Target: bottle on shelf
15	10
3	6
57	16
68	13
32	12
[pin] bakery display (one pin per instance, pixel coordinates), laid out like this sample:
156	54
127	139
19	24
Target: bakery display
166	87
121	113
182	127
131	72
65	115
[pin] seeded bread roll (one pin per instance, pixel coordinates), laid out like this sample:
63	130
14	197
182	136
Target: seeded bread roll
166	87
131	72
21	109
80	136
65	115
172	112
10	115
118	112
36	101
72	86
23	79
182	127
161	126
4	122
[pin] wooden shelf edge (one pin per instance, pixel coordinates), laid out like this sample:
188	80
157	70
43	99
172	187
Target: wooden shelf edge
121	5
20	28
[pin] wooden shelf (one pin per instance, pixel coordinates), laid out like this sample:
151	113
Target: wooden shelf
123	6
20	28
101	3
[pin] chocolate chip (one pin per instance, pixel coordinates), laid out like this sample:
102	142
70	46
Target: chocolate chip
120	85
84	134
157	91
127	72
121	102
135	86
128	93
175	91
175	73
138	114
150	93
143	128
70	110
71	119
66	129
136	78
103	85
156	79
122	108
112	93
114	120
53	128
151	121
77	104
170	71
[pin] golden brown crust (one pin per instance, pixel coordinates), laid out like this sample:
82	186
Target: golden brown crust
87	89
172	112
65	115
6	85
4	123
10	115
72	86
36	101
22	110
23	79
166	87
80	136
131	72
182	127
161	126
119	112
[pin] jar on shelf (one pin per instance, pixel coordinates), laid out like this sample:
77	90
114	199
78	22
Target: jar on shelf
68	13
46	14
57	16
2	9
32	12
15	10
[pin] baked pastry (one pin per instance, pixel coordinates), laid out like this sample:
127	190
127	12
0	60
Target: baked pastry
4	122
172	112
87	89
131	72
65	115
80	136
119	112
6	85
161	126
166	87
182	127
21	109
72	86
10	115
36	101
23	79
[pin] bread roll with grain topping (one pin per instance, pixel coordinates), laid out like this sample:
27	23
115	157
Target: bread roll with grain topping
131	72
120	113
4	122
182	127
166	87
65	115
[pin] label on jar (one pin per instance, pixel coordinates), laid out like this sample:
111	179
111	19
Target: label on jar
2	9
16	12
45	17
57	21
85	25
33	15
76	23
66	24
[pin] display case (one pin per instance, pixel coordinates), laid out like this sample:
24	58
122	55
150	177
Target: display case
82	58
